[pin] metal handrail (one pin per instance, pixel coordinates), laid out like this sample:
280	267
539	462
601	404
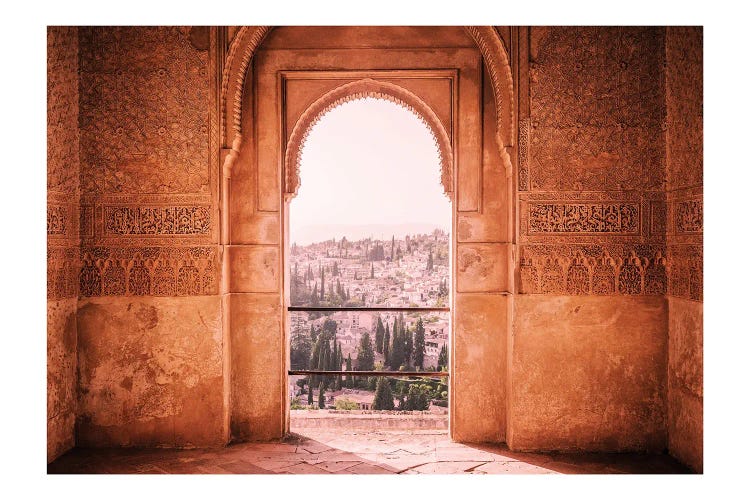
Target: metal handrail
364	309
369	373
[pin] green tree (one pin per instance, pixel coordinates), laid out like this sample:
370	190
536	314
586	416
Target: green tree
387	345
346	404
349	379
365	354
372	270
416	398
408	345
299	350
379	335
383	395
443	358
430	262
309	390
419	347
321	395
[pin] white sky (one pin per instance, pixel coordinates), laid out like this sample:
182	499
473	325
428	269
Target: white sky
368	163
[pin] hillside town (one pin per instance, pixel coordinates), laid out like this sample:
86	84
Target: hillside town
408	272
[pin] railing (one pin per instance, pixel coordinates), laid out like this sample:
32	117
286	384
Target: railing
370	373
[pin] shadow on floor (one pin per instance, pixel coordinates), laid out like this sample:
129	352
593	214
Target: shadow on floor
334	451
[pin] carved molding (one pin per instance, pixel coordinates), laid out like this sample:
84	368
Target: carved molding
358	90
57	220
688	216
612	218
686	271
593	217
249	38
155	271
62	272
157	220
524	127
593	270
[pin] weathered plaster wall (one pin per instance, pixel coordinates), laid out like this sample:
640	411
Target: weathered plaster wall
589	373
150	371
589	350
150	330
684	97
62	236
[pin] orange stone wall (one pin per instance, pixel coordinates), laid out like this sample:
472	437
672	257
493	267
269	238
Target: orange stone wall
578	279
684	97
150	340
62	236
589	349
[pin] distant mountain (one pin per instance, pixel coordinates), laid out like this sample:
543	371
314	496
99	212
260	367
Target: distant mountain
322	232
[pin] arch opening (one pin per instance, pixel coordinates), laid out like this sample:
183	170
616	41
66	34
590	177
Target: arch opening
369	228
373	90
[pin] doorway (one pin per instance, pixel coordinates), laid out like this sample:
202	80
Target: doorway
285	79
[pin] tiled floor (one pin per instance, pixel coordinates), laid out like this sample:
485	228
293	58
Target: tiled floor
336	451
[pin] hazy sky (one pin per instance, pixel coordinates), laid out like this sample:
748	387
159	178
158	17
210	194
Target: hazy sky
368	162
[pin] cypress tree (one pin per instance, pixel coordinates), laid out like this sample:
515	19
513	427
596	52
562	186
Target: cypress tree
397	347
309	390
408	345
321	395
379	336
383	395
387	345
443	358
419	347
372	270
349	379
365	354
429	262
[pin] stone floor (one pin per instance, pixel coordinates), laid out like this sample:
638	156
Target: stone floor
336	451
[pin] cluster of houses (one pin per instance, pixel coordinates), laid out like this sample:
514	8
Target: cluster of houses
406	272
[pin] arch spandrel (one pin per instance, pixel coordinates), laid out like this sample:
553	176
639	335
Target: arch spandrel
358	90
249	38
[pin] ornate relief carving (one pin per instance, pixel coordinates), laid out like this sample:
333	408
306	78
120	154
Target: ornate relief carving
358	90
524	127
62	109
144	120
249	38
86	221
686	271
621	218
658	217
173	220
684	97
593	270
597	109
688	216
592	217
578	277
156	271
62	272
57	218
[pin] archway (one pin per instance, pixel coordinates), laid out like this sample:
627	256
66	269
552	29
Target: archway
260	137
369	263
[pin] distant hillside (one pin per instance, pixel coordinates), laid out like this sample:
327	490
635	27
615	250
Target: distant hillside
321	232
